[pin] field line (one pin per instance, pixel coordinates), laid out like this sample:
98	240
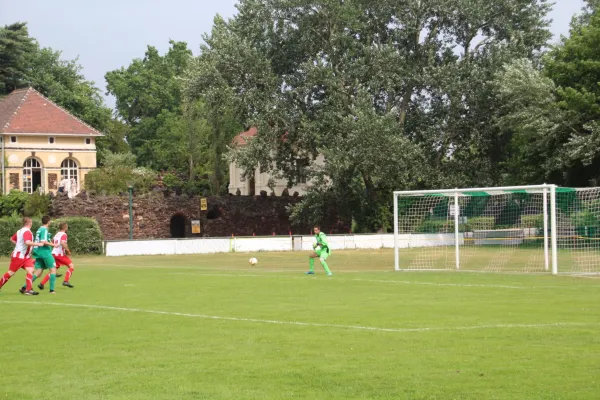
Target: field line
311	324
355	280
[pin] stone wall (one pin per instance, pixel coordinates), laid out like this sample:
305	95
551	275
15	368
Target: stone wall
154	215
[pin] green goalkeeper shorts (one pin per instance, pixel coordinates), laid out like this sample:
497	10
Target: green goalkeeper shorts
45	262
322	253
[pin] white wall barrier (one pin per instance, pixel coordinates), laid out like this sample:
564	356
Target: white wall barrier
271	243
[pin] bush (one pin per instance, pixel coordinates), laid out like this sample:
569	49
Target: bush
533	221
478	223
36	205
85	236
436	226
13	203
115	181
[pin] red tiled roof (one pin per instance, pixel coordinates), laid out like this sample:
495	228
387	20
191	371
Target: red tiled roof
27	111
244	137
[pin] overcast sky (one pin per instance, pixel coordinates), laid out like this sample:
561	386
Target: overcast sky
108	34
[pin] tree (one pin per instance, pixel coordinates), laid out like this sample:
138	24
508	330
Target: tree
395	94
574	66
148	97
15	47
118	173
550	113
529	123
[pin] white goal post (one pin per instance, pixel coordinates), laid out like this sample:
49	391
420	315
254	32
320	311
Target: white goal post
539	228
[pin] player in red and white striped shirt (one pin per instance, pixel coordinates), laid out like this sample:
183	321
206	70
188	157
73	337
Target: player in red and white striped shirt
61	253
21	256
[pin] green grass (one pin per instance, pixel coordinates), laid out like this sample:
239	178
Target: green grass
141	328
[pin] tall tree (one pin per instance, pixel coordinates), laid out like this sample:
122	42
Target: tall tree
550	113
148	97
395	94
15	48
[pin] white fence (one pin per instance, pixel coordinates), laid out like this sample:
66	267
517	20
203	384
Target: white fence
270	243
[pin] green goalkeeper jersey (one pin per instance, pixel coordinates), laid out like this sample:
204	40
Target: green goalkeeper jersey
322	241
42	234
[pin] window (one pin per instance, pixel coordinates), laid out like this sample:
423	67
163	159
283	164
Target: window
301	170
32	175
51	140
69	169
13	139
88	140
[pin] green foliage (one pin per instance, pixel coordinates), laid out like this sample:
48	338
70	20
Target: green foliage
443	225
118	174
379	89
436	225
15	47
167	130
13	203
85	236
172	181
36	205
533	221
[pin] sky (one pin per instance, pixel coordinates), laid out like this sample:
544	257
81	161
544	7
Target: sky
109	34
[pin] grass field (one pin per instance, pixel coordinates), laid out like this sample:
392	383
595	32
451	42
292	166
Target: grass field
212	327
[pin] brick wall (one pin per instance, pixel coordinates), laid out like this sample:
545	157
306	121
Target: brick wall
238	215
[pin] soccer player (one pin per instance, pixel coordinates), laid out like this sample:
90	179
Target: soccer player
43	255
21	257
322	252
60	254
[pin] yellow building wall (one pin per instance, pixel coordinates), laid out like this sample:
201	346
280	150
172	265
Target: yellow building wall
50	157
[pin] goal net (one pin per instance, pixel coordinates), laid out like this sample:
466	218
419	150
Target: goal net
541	228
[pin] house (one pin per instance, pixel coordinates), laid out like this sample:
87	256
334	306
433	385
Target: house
43	144
260	182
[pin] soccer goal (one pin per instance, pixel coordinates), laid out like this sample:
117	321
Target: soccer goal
542	228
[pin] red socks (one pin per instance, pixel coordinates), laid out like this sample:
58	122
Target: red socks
68	274
29	281
4	279
46	279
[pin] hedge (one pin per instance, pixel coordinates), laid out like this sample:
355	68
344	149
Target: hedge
85	236
447	225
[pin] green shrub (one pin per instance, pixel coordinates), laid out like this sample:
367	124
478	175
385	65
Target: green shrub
477	224
436	225
172	181
533	221
85	236
117	180
13	203
36	205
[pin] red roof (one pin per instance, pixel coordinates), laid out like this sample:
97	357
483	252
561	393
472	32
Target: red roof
28	111
244	137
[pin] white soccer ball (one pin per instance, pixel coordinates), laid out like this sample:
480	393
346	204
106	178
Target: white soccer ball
253	261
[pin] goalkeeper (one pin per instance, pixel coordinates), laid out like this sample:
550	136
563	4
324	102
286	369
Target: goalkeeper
322	252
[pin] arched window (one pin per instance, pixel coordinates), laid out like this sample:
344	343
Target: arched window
69	169
32	175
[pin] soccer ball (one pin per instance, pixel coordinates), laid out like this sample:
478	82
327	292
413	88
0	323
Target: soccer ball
253	261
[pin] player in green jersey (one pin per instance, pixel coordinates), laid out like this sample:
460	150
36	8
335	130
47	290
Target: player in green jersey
43	254
322	252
